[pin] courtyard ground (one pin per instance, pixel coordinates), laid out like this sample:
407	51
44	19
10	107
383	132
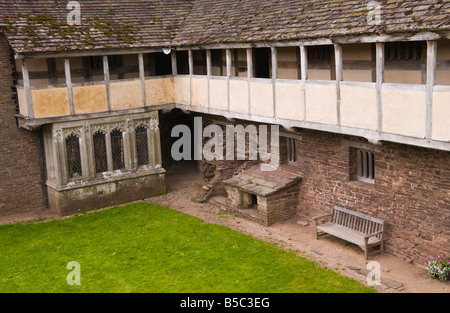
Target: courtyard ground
397	276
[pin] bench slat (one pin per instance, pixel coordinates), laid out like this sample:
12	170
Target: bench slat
354	222
346	234
377	220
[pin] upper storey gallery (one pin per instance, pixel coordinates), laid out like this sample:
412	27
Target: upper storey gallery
380	70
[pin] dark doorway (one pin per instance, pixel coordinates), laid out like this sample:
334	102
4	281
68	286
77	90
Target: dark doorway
182	62
261	62
163	64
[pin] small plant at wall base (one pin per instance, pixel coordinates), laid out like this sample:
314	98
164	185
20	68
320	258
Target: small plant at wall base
439	267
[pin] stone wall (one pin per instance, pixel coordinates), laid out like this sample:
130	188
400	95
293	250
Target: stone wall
219	170
91	188
20	183
270	210
411	191
279	207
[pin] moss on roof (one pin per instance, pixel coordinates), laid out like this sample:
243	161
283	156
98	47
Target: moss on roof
40	26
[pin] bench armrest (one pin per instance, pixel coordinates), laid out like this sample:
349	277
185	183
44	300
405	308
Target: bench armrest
316	218
373	235
321	216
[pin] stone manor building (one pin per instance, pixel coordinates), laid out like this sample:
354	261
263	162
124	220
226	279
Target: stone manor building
360	90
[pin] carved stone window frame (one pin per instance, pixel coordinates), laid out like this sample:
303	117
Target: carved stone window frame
56	154
60	136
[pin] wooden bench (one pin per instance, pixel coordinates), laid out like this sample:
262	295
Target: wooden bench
357	228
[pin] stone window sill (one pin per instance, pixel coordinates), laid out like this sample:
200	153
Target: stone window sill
106	179
370	185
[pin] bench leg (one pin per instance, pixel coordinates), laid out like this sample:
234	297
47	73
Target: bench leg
320	234
317	233
366	250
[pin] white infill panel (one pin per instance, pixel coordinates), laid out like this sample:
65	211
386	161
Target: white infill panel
359	107
321	103
441	115
404	112
289	99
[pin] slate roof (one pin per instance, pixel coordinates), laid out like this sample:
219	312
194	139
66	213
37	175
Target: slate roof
40	26
227	21
265	184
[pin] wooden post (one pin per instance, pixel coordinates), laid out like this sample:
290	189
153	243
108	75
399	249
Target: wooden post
304	73
142	77
339	77
174	62
27	89
431	81
106	73
274	78
228	62
379	82
69	85
191	72
208	74
208	63
228	65
191	62
250	63
249	77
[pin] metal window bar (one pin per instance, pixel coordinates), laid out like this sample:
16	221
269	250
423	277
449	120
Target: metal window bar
73	156
142	146
100	154
291	150
403	51
366	165
295	150
371	165
288	146
117	150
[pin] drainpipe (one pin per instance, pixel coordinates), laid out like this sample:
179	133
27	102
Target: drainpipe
41	168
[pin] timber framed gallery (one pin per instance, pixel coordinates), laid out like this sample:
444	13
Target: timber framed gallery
365	108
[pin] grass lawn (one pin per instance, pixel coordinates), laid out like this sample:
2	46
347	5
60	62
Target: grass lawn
148	248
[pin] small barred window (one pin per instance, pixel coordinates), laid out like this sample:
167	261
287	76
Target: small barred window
73	156
366	165
291	151
403	51
317	54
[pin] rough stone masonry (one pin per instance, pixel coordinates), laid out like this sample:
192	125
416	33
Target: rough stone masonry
20	189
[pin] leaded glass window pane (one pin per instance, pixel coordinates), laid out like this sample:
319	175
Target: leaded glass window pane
73	156
117	150
100	156
142	146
